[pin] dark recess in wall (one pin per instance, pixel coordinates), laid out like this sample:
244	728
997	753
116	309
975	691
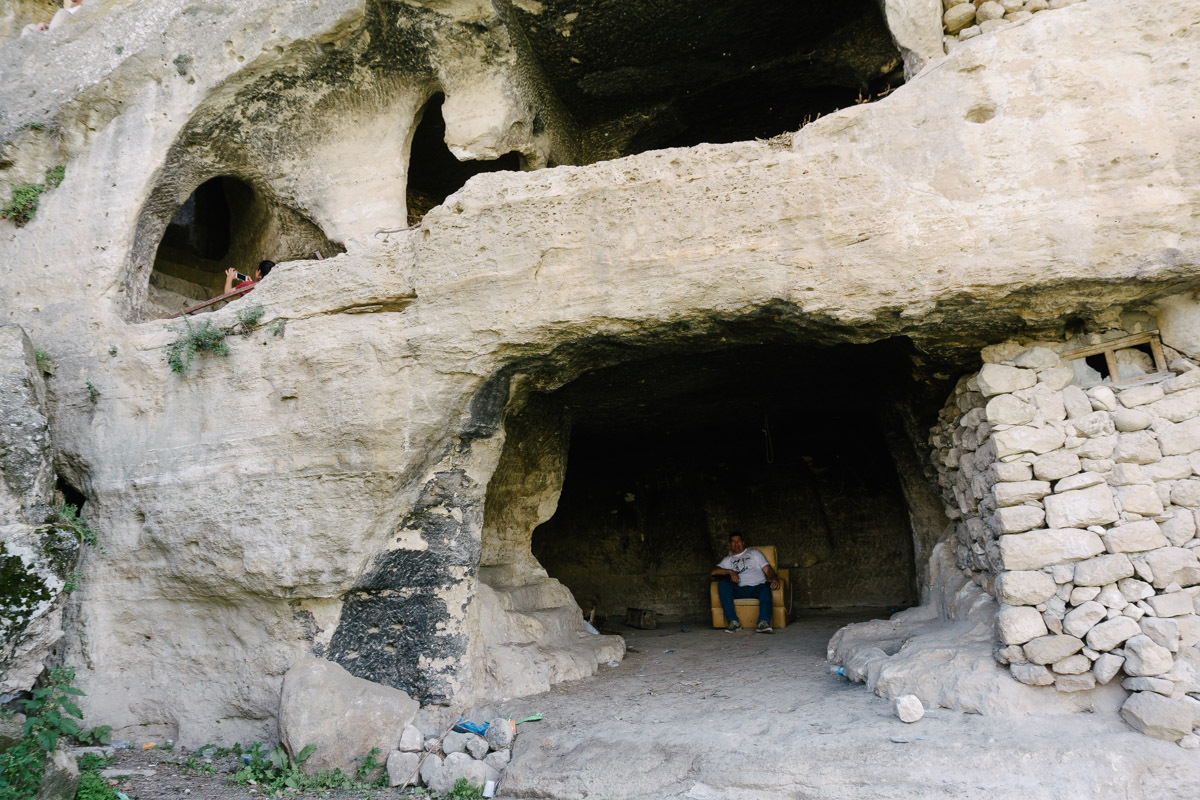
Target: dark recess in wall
782	443
641	74
433	172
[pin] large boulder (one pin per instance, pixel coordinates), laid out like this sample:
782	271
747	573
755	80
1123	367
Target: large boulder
344	717
60	778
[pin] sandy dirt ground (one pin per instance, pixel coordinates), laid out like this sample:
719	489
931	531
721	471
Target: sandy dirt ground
706	715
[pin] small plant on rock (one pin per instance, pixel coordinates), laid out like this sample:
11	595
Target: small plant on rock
50	714
465	790
66	516
26	197
250	315
43	362
207	338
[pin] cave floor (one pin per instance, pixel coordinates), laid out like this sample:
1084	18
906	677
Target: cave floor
706	714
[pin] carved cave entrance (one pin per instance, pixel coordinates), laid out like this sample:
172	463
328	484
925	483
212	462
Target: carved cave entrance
659	460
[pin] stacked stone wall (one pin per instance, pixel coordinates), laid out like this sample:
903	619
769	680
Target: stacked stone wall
966	19
1077	508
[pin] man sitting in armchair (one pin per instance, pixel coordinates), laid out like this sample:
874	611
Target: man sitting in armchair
745	573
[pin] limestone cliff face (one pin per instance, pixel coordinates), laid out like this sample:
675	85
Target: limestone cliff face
324	488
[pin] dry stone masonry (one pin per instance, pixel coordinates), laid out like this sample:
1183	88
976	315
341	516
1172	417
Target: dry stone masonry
1077	509
966	19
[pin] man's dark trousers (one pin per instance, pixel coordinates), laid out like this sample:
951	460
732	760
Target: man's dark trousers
729	591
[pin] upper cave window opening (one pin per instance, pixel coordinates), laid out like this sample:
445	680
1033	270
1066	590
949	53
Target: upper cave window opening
220	225
433	171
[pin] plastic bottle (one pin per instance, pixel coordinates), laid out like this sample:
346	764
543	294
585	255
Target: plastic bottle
834	669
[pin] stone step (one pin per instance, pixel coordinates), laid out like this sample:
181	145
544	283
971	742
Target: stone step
179	286
538	596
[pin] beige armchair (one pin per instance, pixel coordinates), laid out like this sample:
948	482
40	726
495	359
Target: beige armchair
747	610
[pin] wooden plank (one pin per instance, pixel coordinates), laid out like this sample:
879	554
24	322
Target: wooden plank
1110	359
214	301
1160	360
1115	344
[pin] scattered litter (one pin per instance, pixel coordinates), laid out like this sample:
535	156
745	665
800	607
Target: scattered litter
463	726
587	626
656	661
613	664
906	740
683	630
530	718
668	651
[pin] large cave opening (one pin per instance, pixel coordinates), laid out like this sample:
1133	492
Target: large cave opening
225	222
637	76
629	480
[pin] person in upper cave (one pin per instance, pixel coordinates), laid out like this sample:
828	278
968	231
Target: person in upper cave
231	275
745	573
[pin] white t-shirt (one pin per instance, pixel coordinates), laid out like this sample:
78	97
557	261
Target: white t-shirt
748	565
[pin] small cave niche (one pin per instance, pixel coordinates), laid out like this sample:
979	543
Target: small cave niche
658	461
433	171
223	223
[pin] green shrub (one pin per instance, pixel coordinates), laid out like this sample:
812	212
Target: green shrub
207	338
55	175
66	516
93	787
49	715
465	790
250	315
23	204
26	197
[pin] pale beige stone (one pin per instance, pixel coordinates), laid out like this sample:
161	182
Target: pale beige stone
1140	395
989	10
1011	494
1024	439
1128	420
1048	649
1134	537
1082	619
1102	398
1140	499
1076	401
1007	410
1158	716
1043	548
1073	482
1108	635
1098	423
1171	468
1141	447
1032	674
1181	439
1056	379
1171	565
1106	667
1145	658
958	17
1081	508
1056	465
1024	588
1018	519
1013	471
997	379
1103	570
1173	604
1188	380
1072	665
1186	494
1177	407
